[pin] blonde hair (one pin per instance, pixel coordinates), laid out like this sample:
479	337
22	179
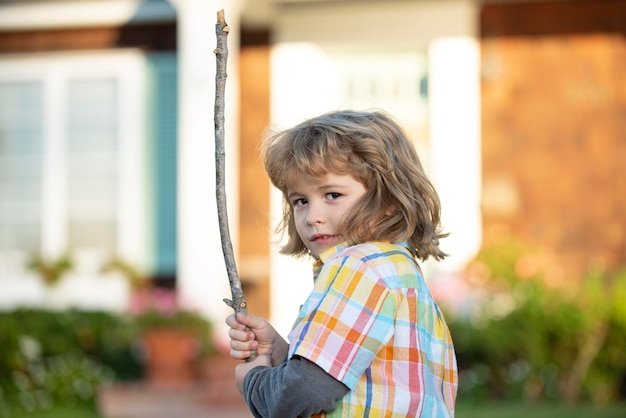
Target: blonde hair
400	203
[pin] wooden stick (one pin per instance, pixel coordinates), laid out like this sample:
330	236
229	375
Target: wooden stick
238	303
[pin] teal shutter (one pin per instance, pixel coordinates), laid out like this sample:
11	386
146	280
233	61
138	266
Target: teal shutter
162	105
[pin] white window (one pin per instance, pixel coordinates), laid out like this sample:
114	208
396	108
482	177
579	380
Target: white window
71	166
392	81
21	147
92	149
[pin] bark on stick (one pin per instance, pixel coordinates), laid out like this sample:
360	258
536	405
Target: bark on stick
238	302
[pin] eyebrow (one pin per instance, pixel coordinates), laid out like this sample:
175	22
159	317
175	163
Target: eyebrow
322	187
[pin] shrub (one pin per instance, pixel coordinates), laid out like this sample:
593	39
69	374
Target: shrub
50	358
531	334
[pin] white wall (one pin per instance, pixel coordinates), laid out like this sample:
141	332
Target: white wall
69	13
385	24
456	144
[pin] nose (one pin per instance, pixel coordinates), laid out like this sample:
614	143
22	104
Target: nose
315	215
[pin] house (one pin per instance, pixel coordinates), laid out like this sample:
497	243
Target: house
106	130
88	92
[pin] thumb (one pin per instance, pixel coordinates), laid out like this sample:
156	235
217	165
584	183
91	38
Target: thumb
248	320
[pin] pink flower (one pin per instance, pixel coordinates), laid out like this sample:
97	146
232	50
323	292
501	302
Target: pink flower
153	300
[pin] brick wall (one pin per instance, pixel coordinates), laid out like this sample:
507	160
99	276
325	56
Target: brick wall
554	128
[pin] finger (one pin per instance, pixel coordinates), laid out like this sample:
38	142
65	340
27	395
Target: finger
241	335
250	321
242	349
239	355
232	322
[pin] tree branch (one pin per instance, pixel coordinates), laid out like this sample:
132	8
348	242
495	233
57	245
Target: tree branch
238	303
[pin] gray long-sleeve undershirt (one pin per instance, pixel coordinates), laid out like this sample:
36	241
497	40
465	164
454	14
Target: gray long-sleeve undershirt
296	388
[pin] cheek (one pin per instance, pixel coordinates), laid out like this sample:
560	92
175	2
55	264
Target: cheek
299	221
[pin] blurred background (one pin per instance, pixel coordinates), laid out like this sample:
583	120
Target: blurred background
109	239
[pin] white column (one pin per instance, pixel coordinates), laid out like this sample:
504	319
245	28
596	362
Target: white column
134	238
454	93
202	278
299	73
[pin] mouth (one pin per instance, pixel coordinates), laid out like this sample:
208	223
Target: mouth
322	237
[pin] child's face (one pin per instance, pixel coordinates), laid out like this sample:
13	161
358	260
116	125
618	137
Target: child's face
320	205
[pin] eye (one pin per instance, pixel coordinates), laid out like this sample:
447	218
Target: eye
299	202
333	195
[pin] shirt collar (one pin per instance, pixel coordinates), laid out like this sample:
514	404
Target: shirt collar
329	253
325	256
332	251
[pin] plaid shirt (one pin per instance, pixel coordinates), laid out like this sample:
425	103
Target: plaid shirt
371	323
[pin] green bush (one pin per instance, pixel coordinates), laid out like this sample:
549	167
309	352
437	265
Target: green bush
532	334
60	358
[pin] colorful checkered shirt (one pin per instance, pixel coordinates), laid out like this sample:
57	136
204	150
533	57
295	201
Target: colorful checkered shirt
371	323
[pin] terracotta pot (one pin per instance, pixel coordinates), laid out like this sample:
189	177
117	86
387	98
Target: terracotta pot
170	356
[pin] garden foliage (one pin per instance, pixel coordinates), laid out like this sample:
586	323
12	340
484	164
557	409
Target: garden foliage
52	359
532	334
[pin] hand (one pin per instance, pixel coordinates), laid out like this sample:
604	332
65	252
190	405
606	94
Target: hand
242	369
249	332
